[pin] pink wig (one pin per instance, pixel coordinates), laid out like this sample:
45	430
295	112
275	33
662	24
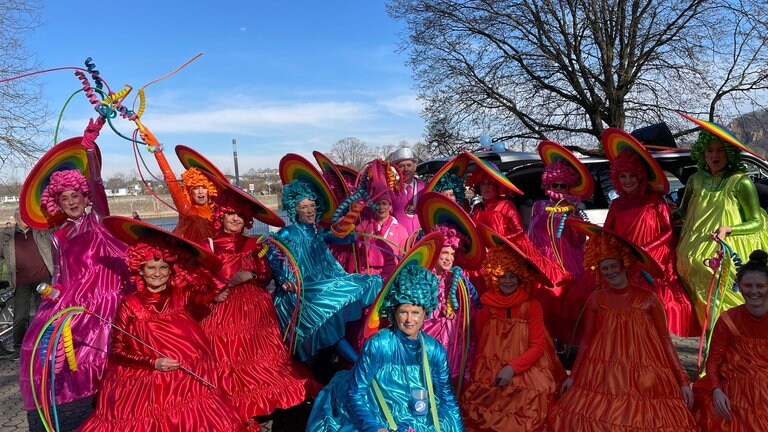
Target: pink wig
629	162
60	182
559	172
451	236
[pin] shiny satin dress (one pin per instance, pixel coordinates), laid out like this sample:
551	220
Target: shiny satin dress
137	397
645	220
738	365
194	220
627	374
331	297
348	402
90	271
449	332
254	366
511	332
711	202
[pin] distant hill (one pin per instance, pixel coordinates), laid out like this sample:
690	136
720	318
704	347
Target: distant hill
752	129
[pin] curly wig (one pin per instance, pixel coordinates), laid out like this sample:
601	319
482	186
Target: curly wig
451	236
193	177
453	182
230	202
559	171
629	162
60	182
294	192
732	153
157	246
604	246
499	260
414	285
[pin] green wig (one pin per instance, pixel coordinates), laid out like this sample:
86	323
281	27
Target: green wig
732	153
414	285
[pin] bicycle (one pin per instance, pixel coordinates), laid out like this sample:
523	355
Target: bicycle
6	316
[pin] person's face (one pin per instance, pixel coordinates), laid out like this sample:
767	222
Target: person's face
754	288
20	223
613	271
409	319
156	274
408	169
233	223
383	210
450	194
560	187
488	190
629	182
199	195
715	157
306	211
508	283
446	258
73	203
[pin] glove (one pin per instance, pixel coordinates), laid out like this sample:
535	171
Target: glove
92	132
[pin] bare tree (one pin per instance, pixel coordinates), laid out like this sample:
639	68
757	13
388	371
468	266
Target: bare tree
554	69
22	113
351	152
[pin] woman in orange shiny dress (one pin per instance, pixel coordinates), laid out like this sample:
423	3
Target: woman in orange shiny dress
627	374
255	367
733	396
515	372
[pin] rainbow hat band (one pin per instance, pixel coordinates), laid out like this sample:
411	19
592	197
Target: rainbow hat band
646	262
492	238
615	140
329	168
260	211
434	208
66	155
458	165
424	253
551	152
295	167
465	158
131	231
721	132
192	159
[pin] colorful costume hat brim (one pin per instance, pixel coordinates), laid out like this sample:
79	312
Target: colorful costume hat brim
66	155
721	132
328	167
458	165
192	159
260	211
645	261
489	169
346	171
491	238
615	140
434	209
424	253
294	167
132	231
551	151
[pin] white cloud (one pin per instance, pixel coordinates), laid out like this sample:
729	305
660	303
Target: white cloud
403	105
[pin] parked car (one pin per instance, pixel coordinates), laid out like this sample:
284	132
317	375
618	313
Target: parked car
524	169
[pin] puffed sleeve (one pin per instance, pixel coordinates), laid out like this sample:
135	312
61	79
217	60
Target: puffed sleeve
281	267
125	350
681	212
363	373
663	217
536	342
656	310
590	327
447	407
262	271
749	206
721	338
96	185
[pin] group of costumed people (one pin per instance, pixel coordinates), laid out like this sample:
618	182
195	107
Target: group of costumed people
441	316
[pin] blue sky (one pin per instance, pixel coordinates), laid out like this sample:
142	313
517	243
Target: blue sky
279	77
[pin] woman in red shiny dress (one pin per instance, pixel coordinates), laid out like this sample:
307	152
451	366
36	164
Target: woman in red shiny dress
734	393
255	367
161	368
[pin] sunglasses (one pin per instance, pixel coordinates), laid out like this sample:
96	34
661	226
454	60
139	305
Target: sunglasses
558	185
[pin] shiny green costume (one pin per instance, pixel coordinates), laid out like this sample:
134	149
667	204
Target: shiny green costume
727	199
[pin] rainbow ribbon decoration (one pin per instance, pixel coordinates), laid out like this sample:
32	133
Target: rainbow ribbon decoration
722	263
289	334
